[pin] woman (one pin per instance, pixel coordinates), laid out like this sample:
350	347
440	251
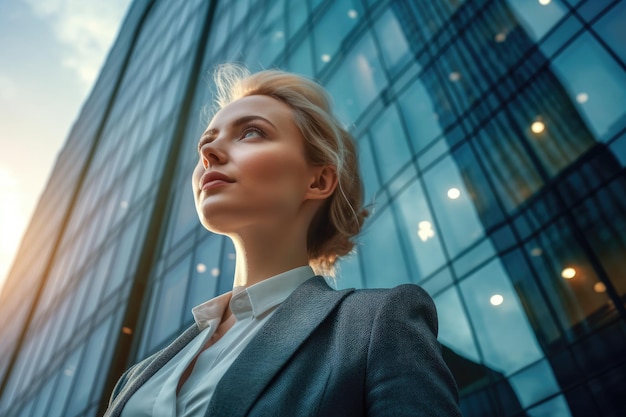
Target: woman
277	173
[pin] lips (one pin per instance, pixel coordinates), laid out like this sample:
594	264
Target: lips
214	179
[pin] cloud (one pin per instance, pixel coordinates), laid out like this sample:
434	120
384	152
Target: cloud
86	28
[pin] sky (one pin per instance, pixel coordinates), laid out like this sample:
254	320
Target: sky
51	52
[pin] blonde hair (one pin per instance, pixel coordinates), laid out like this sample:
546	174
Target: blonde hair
327	142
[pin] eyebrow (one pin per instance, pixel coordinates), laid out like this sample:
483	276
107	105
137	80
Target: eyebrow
210	134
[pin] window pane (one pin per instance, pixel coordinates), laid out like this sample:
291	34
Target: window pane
170	300
377	244
453	207
419	115
537	18
506	339
91	363
595	83
426	252
454	328
611	27
67	374
390	146
393	44
358	81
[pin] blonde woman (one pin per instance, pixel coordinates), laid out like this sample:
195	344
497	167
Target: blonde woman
278	174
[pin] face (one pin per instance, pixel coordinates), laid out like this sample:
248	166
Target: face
252	170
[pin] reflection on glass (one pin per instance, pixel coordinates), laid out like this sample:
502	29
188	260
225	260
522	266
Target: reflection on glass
422	122
537	18
391	150
378	243
454	328
505	336
425	230
458	220
538	127
496	299
358	81
586	67
393	44
454	193
536	383
426	251
454	76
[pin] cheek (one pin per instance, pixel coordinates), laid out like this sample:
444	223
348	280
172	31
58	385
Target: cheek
195	178
283	168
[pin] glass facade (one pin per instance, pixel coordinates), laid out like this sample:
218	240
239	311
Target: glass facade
492	141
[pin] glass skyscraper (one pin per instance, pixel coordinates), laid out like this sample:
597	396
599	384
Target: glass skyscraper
492	141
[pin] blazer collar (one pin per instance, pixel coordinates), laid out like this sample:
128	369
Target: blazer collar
301	313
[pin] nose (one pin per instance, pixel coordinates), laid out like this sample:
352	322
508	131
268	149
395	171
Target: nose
212	154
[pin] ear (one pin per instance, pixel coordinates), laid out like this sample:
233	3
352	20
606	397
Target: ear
323	182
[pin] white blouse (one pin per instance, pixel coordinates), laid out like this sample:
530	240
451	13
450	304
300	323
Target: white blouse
252	307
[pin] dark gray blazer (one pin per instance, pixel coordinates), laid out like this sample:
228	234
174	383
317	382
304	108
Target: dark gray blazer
329	353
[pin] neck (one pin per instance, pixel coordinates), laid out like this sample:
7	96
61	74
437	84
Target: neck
264	255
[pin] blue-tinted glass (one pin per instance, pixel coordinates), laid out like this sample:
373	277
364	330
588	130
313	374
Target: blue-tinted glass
202	285
601	219
227	271
368	171
167	316
150	161
186	216
300	60
97	279
391	150
91	363
336	23
377	244
556	406
27	409
121	267
454	328
417	223
43	397
534	383
297	15
504	334
580	303
220	31
595	83
67	373
452	206
419	115
474	257
619	150
358	81
240	8
513	174
268	40
611	27
537	18
393	44
348	274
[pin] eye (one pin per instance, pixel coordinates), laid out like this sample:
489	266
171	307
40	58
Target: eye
252	132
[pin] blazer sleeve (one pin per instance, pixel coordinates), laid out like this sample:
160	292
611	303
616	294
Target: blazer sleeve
406	374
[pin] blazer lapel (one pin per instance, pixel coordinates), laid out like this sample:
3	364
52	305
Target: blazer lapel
268	351
160	359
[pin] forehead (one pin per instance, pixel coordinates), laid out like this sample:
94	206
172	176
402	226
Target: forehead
268	107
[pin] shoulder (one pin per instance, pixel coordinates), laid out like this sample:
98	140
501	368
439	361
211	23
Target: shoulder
403	295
